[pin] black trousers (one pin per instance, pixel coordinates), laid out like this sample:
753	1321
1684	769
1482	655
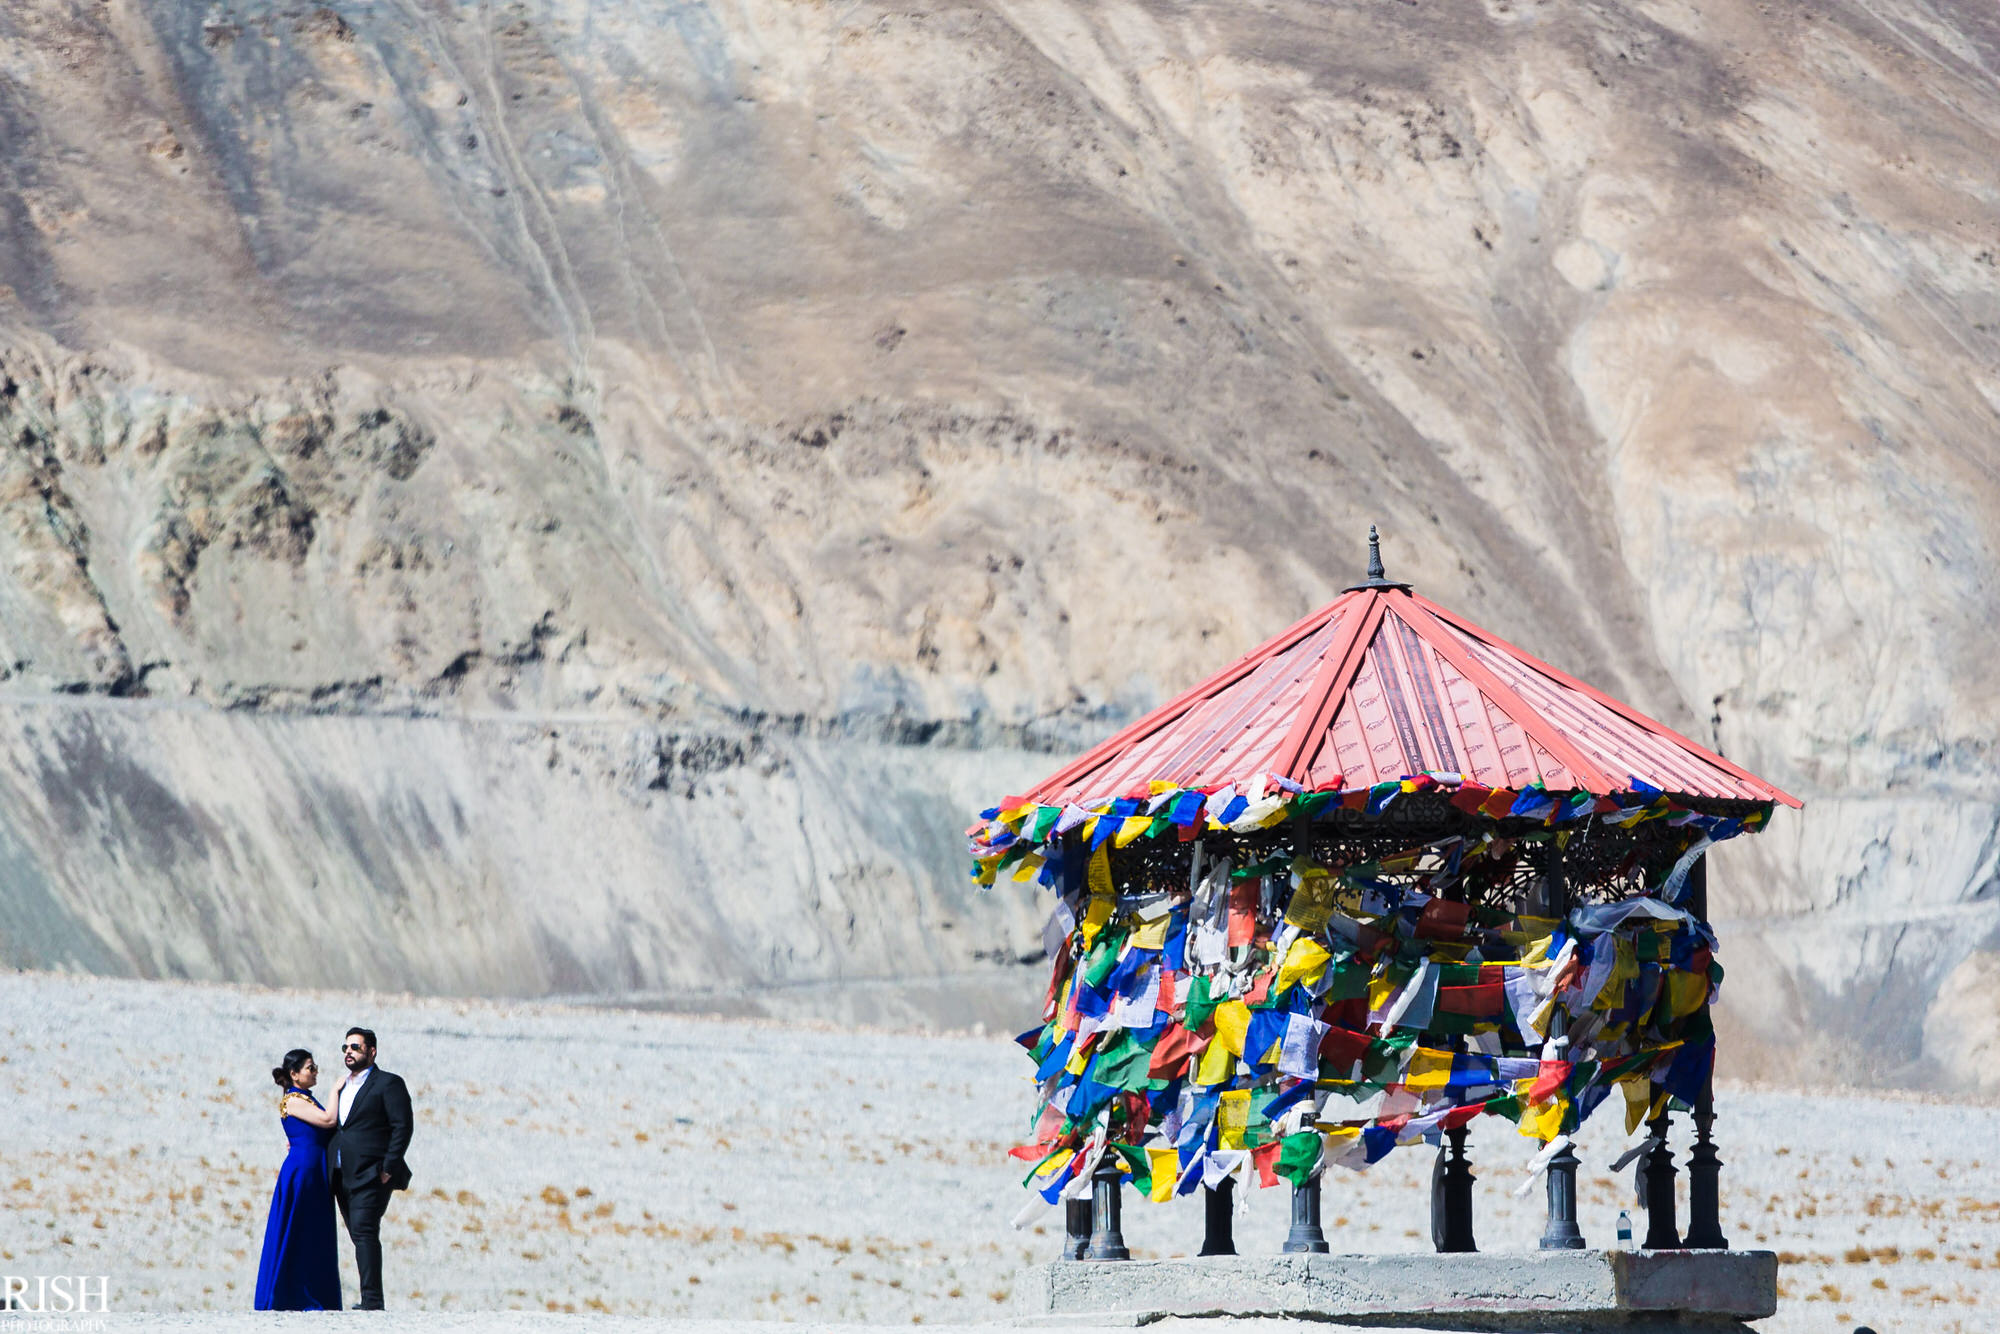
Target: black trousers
361	1208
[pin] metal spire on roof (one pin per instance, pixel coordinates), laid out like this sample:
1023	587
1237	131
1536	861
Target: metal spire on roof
1376	578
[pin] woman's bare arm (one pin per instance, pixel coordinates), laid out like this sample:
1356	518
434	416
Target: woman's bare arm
299	1105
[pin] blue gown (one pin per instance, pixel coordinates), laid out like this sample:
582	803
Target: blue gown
300	1270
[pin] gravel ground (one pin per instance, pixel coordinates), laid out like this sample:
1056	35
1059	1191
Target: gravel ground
586	1161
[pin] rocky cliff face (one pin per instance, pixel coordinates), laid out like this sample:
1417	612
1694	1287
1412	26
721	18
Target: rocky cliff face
554	497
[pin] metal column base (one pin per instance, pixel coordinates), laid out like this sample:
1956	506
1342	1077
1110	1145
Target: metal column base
1107	1239
1219	1234
1305	1238
1451	1197
1562	1233
1076	1229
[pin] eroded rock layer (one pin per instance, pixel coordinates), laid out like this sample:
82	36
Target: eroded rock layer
582	497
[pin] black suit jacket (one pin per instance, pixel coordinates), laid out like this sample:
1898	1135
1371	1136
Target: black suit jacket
376	1133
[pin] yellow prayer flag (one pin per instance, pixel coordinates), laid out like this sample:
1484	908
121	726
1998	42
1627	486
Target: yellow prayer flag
1152	935
1103	897
1382	990
1099	875
1428	1069
1025	868
1305	962
1685	992
1312	901
1624	970
1542	1121
1537	954
1232	1025
1232	1118
1095	917
1166	1165
1638	1091
1217	1066
1078	1058
1133	826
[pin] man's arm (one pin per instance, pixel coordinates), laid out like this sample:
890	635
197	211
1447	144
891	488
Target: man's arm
396	1106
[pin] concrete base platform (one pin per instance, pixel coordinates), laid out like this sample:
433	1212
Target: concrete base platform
1538	1290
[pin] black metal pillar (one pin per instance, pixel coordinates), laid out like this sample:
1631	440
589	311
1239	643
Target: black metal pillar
1305	1236
1704	1170
1704	1166
1076	1229
1562	1232
1107	1239
1451	1229
1219	1234
1662	1231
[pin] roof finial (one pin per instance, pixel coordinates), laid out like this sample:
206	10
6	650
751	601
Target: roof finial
1376	579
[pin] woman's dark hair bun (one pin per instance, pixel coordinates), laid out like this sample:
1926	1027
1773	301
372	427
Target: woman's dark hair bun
282	1074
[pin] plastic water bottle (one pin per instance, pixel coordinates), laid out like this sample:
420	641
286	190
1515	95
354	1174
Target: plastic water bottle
1624	1231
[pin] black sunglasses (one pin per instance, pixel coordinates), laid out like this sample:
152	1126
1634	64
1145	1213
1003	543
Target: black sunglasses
351	1046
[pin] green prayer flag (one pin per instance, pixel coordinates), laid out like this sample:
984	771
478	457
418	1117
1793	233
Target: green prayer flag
1197	1008
1122	1065
1141	1165
1298	1155
1346	980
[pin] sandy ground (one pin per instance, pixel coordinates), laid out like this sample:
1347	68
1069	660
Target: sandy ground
636	1164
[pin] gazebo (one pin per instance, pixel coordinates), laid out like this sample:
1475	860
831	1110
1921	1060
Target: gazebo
1383	876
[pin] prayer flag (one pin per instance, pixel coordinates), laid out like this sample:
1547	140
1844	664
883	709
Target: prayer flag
1242	913
1299	1156
1232	1025
1166	1167
1232	1118
1265	1156
1304	964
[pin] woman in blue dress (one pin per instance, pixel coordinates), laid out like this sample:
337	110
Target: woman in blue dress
300	1270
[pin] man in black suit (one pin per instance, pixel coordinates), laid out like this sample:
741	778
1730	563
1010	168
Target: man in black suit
367	1158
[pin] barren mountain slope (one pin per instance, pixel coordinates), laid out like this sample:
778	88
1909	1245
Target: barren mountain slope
584	496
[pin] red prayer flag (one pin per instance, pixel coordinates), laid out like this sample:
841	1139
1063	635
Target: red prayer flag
1343	1046
1459	1116
1480	1002
1171	1052
1443	920
1242	912
1260	990
1468	799
1350	1013
1265	1156
1549	1081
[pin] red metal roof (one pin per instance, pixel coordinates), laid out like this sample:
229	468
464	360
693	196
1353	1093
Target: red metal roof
1382	684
